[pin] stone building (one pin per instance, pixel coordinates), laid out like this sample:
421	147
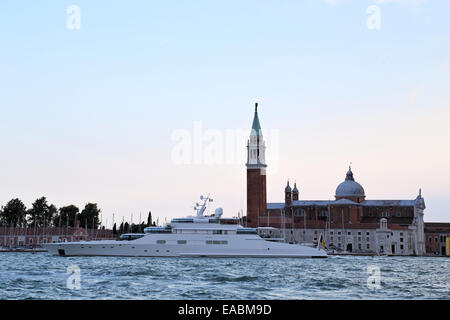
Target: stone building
11	237
349	223
437	238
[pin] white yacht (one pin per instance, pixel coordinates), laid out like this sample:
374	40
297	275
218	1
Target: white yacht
193	236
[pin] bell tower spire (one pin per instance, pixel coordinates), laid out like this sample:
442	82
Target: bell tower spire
256	173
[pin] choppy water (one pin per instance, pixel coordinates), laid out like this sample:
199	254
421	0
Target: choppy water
41	276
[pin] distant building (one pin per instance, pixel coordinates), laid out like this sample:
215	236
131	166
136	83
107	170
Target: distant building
349	223
32	237
437	238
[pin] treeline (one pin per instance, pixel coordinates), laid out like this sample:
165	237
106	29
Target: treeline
43	214
126	227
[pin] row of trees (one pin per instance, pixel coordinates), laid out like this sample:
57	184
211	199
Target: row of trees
126	227
43	214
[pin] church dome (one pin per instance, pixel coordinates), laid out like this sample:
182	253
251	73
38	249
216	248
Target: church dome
295	190
349	188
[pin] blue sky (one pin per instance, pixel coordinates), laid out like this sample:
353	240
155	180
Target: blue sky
88	115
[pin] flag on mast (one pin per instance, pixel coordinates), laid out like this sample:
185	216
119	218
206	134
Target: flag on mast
322	241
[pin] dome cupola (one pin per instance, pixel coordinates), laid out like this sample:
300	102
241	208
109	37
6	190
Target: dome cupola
295	192
288	188
350	189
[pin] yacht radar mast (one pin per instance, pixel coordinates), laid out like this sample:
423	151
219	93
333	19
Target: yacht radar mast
201	208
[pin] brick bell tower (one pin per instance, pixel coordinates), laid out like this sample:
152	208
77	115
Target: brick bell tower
256	173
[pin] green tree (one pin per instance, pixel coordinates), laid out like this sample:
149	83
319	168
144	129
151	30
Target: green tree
14	213
114	230
41	213
90	215
149	219
67	215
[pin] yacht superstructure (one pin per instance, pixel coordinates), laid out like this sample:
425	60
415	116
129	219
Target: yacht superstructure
192	236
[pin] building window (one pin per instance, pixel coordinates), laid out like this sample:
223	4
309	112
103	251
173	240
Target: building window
367	239
323	214
368	246
359	233
401	239
349	233
401	247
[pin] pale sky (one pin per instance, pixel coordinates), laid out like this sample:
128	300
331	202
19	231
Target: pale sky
91	114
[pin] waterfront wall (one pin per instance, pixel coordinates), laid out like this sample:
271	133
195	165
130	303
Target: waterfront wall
32	237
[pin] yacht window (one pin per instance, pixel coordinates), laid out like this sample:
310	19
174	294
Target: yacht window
246	231
183	220
181	241
216	242
160	241
158	230
217	231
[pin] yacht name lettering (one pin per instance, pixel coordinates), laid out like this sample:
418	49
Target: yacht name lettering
189	310
246	309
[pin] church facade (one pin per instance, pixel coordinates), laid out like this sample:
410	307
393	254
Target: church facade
350	223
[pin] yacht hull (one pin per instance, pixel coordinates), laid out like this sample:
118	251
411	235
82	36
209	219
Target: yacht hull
136	248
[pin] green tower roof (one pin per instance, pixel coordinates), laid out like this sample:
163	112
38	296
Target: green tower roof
256	126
